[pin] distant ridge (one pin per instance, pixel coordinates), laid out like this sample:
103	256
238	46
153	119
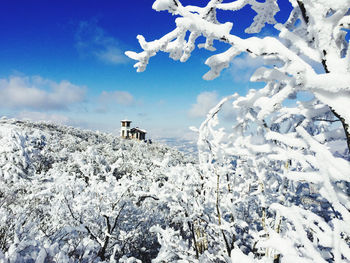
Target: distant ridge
183	145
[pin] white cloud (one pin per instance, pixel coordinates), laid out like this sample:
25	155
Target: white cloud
205	101
116	97
38	93
41	116
111	55
208	100
91	40
243	67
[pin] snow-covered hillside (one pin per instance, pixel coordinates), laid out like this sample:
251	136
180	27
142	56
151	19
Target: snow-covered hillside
38	147
68	195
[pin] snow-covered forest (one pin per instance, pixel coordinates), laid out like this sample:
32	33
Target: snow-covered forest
69	195
272	186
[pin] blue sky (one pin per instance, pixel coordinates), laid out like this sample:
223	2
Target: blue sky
64	61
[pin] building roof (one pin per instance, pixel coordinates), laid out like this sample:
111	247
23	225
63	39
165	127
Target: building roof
125	121
138	129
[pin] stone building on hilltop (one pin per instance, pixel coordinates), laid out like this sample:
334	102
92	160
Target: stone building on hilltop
126	132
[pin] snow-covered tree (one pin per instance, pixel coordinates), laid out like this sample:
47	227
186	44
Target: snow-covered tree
275	186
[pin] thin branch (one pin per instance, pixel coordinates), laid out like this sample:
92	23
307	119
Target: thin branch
326	120
303	12
117	218
228	248
80	221
345	127
144	197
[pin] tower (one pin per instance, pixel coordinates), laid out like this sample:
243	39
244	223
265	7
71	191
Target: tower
125	129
